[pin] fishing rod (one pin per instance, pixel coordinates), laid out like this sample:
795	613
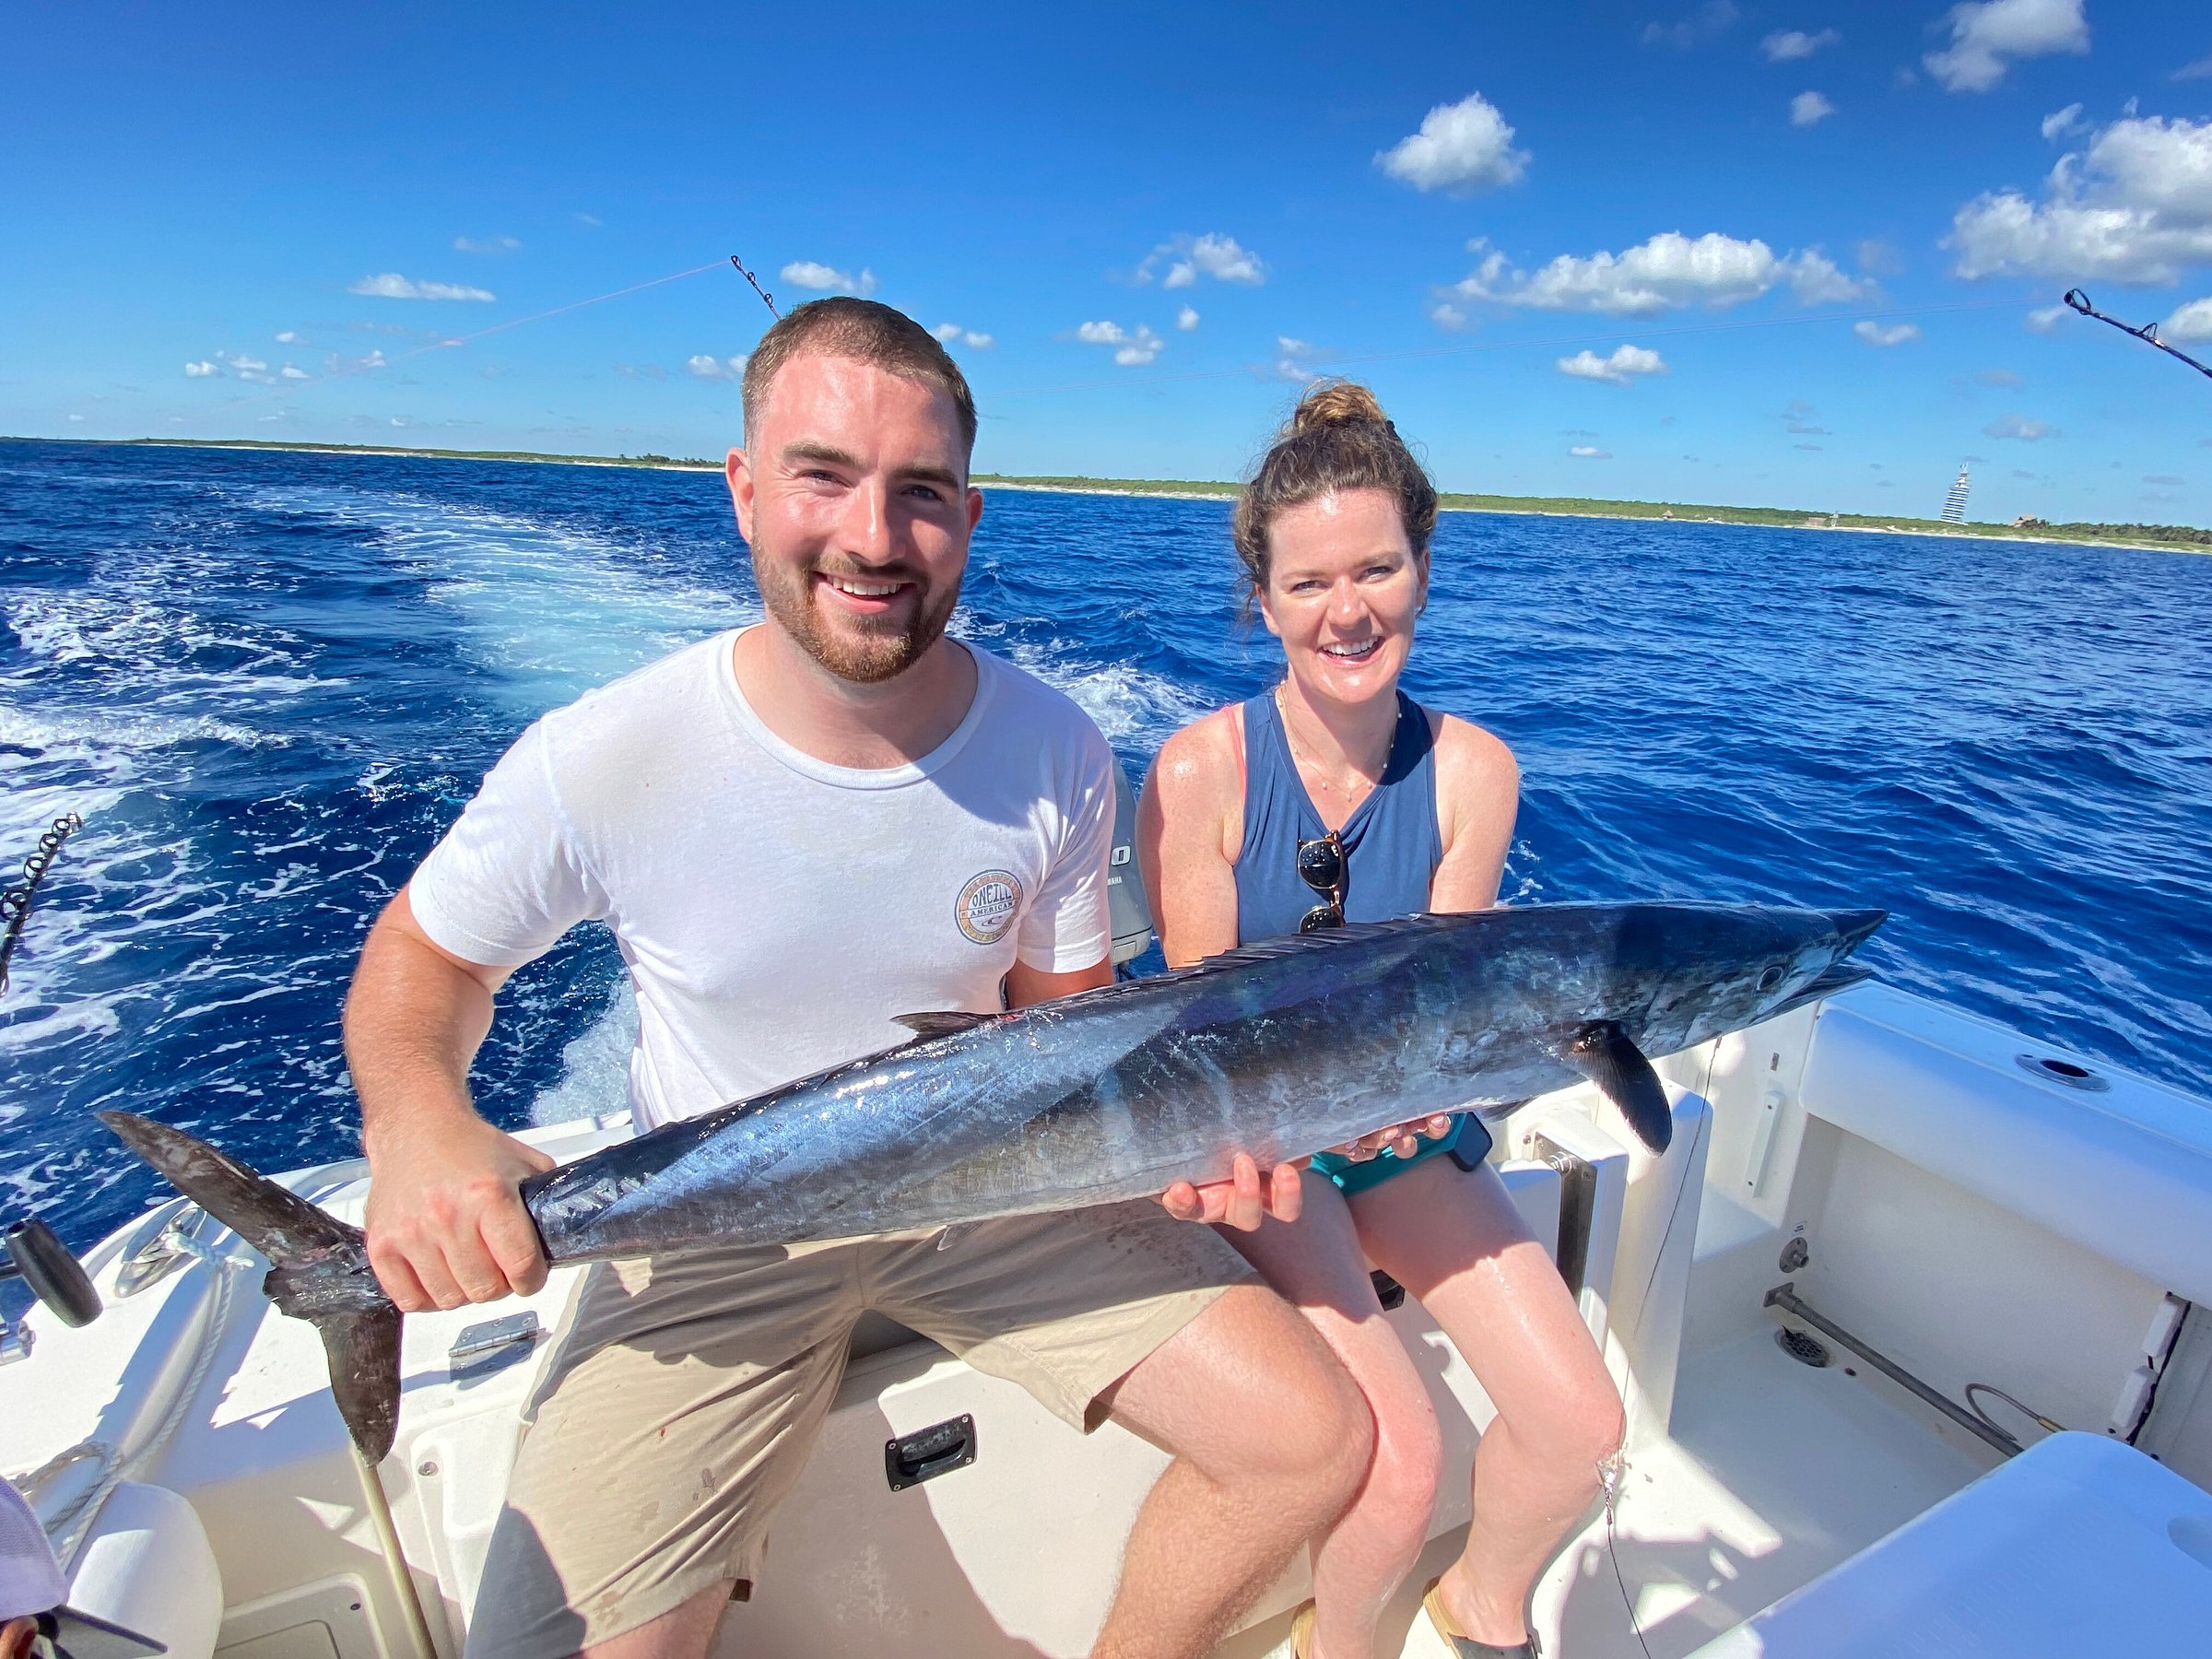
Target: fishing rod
766	298
2148	333
15	902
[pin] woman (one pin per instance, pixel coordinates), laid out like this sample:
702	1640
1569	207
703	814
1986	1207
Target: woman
1335	797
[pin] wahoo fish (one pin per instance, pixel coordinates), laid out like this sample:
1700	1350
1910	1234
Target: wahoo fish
1280	1049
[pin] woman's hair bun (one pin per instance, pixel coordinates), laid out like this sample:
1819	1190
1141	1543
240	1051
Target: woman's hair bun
1336	403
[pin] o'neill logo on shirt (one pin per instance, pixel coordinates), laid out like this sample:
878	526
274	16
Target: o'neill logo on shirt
988	905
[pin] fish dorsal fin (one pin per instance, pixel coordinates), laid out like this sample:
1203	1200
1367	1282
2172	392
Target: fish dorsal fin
949	1023
1327	938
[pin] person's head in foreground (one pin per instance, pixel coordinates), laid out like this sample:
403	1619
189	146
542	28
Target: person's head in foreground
34	1617
852	489
1333	533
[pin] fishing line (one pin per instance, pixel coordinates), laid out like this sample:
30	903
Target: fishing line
378	361
1679	332
573	305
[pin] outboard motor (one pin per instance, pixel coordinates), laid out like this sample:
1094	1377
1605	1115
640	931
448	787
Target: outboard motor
1125	901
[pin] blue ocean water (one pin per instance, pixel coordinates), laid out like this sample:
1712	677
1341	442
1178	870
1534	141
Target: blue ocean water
267	681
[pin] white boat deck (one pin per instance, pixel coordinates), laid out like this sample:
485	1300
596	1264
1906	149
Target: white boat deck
1775	1473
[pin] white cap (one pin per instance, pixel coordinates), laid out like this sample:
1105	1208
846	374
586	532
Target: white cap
31	1580
31	1584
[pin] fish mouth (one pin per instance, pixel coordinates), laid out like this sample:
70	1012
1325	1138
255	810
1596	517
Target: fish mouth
1854	927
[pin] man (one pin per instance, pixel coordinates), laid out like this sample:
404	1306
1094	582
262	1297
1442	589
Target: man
797	832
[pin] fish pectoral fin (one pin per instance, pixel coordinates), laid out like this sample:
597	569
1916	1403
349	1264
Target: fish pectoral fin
949	1023
1604	1053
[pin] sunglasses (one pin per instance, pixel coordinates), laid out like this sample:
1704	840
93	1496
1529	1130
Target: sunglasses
1320	865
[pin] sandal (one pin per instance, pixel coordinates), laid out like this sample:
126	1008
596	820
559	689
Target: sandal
1463	1646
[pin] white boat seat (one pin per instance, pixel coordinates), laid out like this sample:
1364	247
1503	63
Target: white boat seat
2123	1170
2079	1546
145	1567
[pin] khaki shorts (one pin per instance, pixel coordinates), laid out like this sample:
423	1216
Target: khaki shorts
686	1391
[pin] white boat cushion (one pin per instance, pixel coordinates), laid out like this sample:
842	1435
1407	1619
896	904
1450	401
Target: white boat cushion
2080	1546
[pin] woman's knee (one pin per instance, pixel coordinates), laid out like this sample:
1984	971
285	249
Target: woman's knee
1403	1476
1581	1428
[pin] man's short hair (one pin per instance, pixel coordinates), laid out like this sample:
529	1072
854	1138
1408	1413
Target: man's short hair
866	330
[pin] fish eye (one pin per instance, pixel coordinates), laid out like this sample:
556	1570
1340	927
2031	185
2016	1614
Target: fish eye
1770	979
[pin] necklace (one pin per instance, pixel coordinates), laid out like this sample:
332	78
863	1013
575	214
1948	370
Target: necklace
1311	768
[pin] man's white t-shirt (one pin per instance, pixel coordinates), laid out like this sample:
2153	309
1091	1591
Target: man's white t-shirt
776	912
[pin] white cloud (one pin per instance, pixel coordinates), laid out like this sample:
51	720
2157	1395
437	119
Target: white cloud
706	366
246	365
827	279
1874	334
2192	322
1669	273
391	284
199	370
1462	147
2045	318
1446	315
1187	318
1788	45
288	372
1291	359
1131	349
2060	122
1620	369
1810	109
953	333
289	338
2020	426
1986	36
2134	207
1222	257
486	244
1590	452
1709	19
2199	70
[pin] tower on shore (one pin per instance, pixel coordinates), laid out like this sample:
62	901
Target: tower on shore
1954	504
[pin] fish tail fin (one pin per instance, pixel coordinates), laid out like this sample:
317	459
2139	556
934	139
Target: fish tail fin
1606	1055
318	1268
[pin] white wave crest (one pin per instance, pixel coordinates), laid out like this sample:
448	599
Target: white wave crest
553	609
594	1067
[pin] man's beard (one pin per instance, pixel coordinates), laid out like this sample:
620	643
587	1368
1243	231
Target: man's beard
864	649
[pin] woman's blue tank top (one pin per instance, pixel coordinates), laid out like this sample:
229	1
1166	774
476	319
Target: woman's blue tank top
1392	841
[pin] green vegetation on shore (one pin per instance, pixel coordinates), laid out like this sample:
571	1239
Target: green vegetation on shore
2183	535
687	463
2180	537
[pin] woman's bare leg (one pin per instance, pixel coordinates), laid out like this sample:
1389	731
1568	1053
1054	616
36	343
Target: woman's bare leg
1315	1263
1452	1237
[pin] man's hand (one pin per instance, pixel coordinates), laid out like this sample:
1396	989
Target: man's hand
446	1226
1243	1199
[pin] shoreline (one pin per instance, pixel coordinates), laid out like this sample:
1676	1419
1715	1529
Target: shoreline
1215	490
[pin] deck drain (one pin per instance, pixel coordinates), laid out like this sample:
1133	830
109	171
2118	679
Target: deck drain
1805	1348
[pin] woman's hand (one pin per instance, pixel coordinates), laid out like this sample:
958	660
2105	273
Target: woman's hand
1243	1200
1401	1138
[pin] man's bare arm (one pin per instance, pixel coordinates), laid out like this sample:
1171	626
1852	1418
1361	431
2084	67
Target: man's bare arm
446	1226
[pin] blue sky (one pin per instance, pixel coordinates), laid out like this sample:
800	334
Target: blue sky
1790	253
